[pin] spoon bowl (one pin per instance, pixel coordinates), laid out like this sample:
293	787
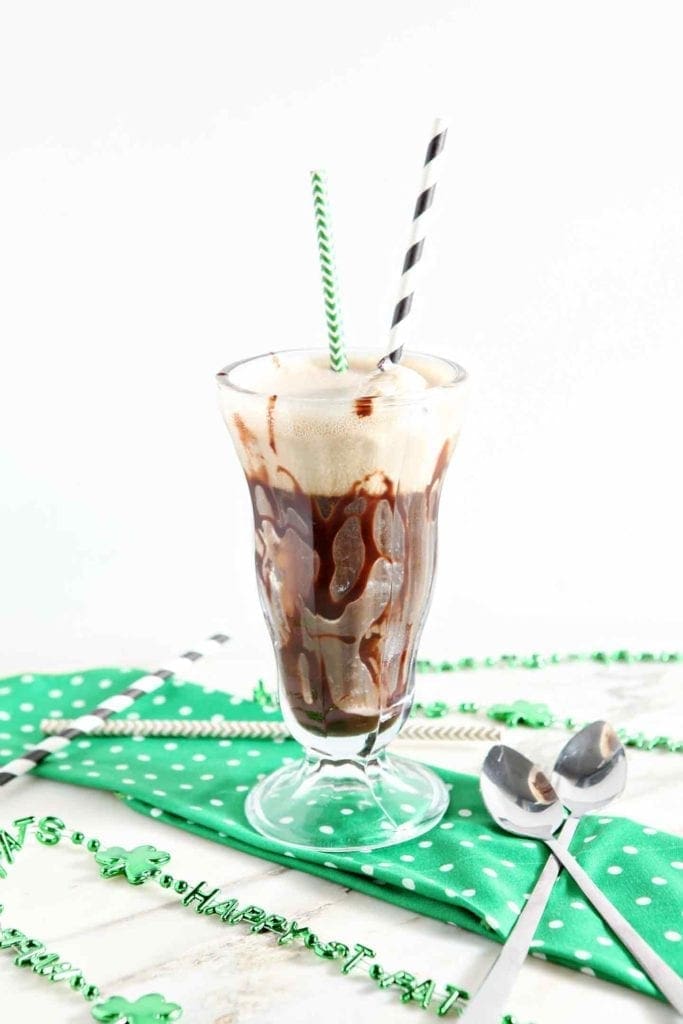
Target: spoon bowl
518	796
521	800
590	770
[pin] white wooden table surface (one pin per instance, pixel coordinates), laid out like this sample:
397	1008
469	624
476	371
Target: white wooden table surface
135	940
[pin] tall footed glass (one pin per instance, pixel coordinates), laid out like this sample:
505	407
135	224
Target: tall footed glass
345	473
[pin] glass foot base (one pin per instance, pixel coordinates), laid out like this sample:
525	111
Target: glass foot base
347	805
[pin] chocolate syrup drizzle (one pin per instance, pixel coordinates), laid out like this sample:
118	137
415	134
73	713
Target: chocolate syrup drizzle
345	583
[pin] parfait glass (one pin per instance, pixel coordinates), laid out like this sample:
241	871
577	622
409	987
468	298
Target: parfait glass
345	492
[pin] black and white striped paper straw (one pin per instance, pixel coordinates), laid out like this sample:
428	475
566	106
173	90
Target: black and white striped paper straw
92	720
416	243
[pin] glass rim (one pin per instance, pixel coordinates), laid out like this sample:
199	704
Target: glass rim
459	376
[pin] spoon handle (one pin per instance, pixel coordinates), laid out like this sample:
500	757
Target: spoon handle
488	1002
666	980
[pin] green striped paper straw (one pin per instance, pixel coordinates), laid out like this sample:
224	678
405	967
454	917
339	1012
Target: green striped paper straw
335	335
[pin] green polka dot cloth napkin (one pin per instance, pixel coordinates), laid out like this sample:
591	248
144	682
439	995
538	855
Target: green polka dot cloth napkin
465	871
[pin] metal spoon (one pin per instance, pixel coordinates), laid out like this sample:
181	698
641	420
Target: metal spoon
590	771
522	801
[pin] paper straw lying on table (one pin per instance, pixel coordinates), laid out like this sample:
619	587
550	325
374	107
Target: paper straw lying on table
63	732
199	729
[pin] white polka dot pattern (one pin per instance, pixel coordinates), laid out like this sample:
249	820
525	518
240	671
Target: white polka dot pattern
463	871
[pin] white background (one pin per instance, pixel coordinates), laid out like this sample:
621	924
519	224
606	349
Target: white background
155	223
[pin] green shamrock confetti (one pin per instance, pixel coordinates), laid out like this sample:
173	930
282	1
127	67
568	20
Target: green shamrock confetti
522	712
149	1009
265	698
137	865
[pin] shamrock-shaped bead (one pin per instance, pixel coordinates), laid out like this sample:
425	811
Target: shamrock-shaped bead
437	709
522	712
137	865
149	1009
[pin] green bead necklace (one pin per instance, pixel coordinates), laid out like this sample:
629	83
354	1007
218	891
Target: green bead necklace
523	712
145	863
32	954
532	661
535	715
539	716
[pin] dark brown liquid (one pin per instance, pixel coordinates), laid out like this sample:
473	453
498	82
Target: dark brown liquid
345	582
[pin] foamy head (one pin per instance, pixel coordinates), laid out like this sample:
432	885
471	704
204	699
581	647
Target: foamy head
297	423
